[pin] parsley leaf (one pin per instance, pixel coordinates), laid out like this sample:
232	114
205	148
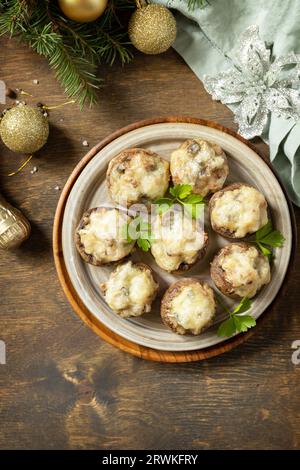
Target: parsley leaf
265	251
227	328
126	234
244	322
164	204
265	230
142	233
182	194
195	210
274	238
243	306
237	321
267	236
144	244
164	200
181	191
184	191
193	199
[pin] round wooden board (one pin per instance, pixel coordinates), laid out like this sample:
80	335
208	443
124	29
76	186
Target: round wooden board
85	314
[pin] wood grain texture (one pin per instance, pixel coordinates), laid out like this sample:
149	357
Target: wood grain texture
74	299
63	387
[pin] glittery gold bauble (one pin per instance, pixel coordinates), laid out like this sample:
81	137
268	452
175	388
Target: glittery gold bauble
152	29
83	11
24	129
14	227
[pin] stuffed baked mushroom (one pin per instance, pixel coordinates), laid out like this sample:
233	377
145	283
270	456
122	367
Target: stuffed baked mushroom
238	210
201	164
178	240
188	307
137	175
130	290
240	270
99	236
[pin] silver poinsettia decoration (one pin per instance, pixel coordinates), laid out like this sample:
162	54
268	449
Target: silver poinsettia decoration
258	84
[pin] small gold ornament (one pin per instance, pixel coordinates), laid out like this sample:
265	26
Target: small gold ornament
24	129
83	11
14	227
152	28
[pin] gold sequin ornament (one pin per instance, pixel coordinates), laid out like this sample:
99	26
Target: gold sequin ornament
24	129
152	28
14	227
83	11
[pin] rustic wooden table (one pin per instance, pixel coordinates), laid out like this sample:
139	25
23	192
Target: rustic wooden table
62	386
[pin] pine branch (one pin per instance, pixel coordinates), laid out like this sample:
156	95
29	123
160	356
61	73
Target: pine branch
76	74
114	46
73	50
13	15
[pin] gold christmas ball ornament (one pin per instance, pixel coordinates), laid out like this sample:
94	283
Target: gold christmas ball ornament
14	227
24	129
83	11
152	29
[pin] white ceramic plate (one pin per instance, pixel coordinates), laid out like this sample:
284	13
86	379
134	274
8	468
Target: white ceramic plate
90	191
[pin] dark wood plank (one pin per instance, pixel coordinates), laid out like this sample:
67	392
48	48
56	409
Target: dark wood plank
63	387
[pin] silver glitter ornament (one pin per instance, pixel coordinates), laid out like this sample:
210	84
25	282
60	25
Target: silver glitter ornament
258	84
24	129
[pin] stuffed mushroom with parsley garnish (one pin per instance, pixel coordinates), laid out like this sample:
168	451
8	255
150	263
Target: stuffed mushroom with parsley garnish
178	241
200	164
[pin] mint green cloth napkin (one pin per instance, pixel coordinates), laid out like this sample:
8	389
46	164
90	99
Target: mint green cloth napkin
207	40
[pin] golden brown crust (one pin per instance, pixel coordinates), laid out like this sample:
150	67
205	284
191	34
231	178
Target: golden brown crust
122	160
169	295
88	258
79	245
225	233
218	275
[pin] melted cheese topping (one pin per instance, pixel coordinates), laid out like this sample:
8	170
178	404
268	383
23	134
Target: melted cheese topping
143	175
194	307
201	164
130	291
241	211
247	271
178	239
103	238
